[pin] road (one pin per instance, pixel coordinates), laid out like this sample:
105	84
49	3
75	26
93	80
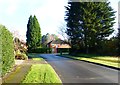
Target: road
74	71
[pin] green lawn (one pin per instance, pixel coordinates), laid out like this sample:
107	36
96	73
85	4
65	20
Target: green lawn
105	60
42	73
40	59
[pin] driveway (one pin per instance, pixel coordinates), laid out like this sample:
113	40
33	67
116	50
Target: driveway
75	71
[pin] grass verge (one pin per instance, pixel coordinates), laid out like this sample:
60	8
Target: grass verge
105	60
41	73
35	56
40	59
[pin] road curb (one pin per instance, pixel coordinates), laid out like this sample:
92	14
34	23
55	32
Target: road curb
92	63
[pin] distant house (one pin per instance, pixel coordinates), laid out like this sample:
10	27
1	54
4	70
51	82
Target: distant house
55	44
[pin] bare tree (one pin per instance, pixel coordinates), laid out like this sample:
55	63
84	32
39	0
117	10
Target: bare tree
62	31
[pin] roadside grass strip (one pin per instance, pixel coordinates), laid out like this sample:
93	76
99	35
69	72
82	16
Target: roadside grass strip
38	59
41	73
105	60
108	63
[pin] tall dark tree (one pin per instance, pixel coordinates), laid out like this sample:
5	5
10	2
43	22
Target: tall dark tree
89	23
37	32
33	33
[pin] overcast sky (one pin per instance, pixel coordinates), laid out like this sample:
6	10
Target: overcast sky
14	14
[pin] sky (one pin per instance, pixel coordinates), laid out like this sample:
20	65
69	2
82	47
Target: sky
14	14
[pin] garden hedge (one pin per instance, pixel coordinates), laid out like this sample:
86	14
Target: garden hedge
59	50
7	47
40	50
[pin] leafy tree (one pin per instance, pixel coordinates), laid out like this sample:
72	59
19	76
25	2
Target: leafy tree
33	33
89	23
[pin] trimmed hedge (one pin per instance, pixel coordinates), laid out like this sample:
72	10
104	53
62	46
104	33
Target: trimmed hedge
40	50
7	49
59	50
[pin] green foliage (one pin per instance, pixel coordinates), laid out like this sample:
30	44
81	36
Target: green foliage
20	51
33	33
108	47
20	55
89	24
19	45
7	49
63	50
41	50
41	73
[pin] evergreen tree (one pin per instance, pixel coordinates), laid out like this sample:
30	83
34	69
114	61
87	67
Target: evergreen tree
37	32
88	23
33	33
28	33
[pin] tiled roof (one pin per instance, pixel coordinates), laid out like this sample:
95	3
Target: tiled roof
64	46
58	41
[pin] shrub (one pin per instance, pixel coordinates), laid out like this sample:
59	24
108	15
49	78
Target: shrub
20	55
40	50
59	50
7	49
108	47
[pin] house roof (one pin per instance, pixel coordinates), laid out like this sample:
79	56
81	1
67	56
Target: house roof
58	41
64	46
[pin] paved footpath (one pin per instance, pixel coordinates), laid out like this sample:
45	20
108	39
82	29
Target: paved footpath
20	71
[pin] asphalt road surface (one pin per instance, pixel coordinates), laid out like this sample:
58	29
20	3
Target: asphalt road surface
75	71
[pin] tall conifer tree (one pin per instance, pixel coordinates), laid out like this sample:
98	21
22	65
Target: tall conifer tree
88	23
33	33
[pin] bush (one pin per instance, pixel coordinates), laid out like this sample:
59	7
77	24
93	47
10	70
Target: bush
108	47
59	50
40	50
7	49
20	55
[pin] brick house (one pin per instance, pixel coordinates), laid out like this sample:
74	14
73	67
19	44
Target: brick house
55	44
